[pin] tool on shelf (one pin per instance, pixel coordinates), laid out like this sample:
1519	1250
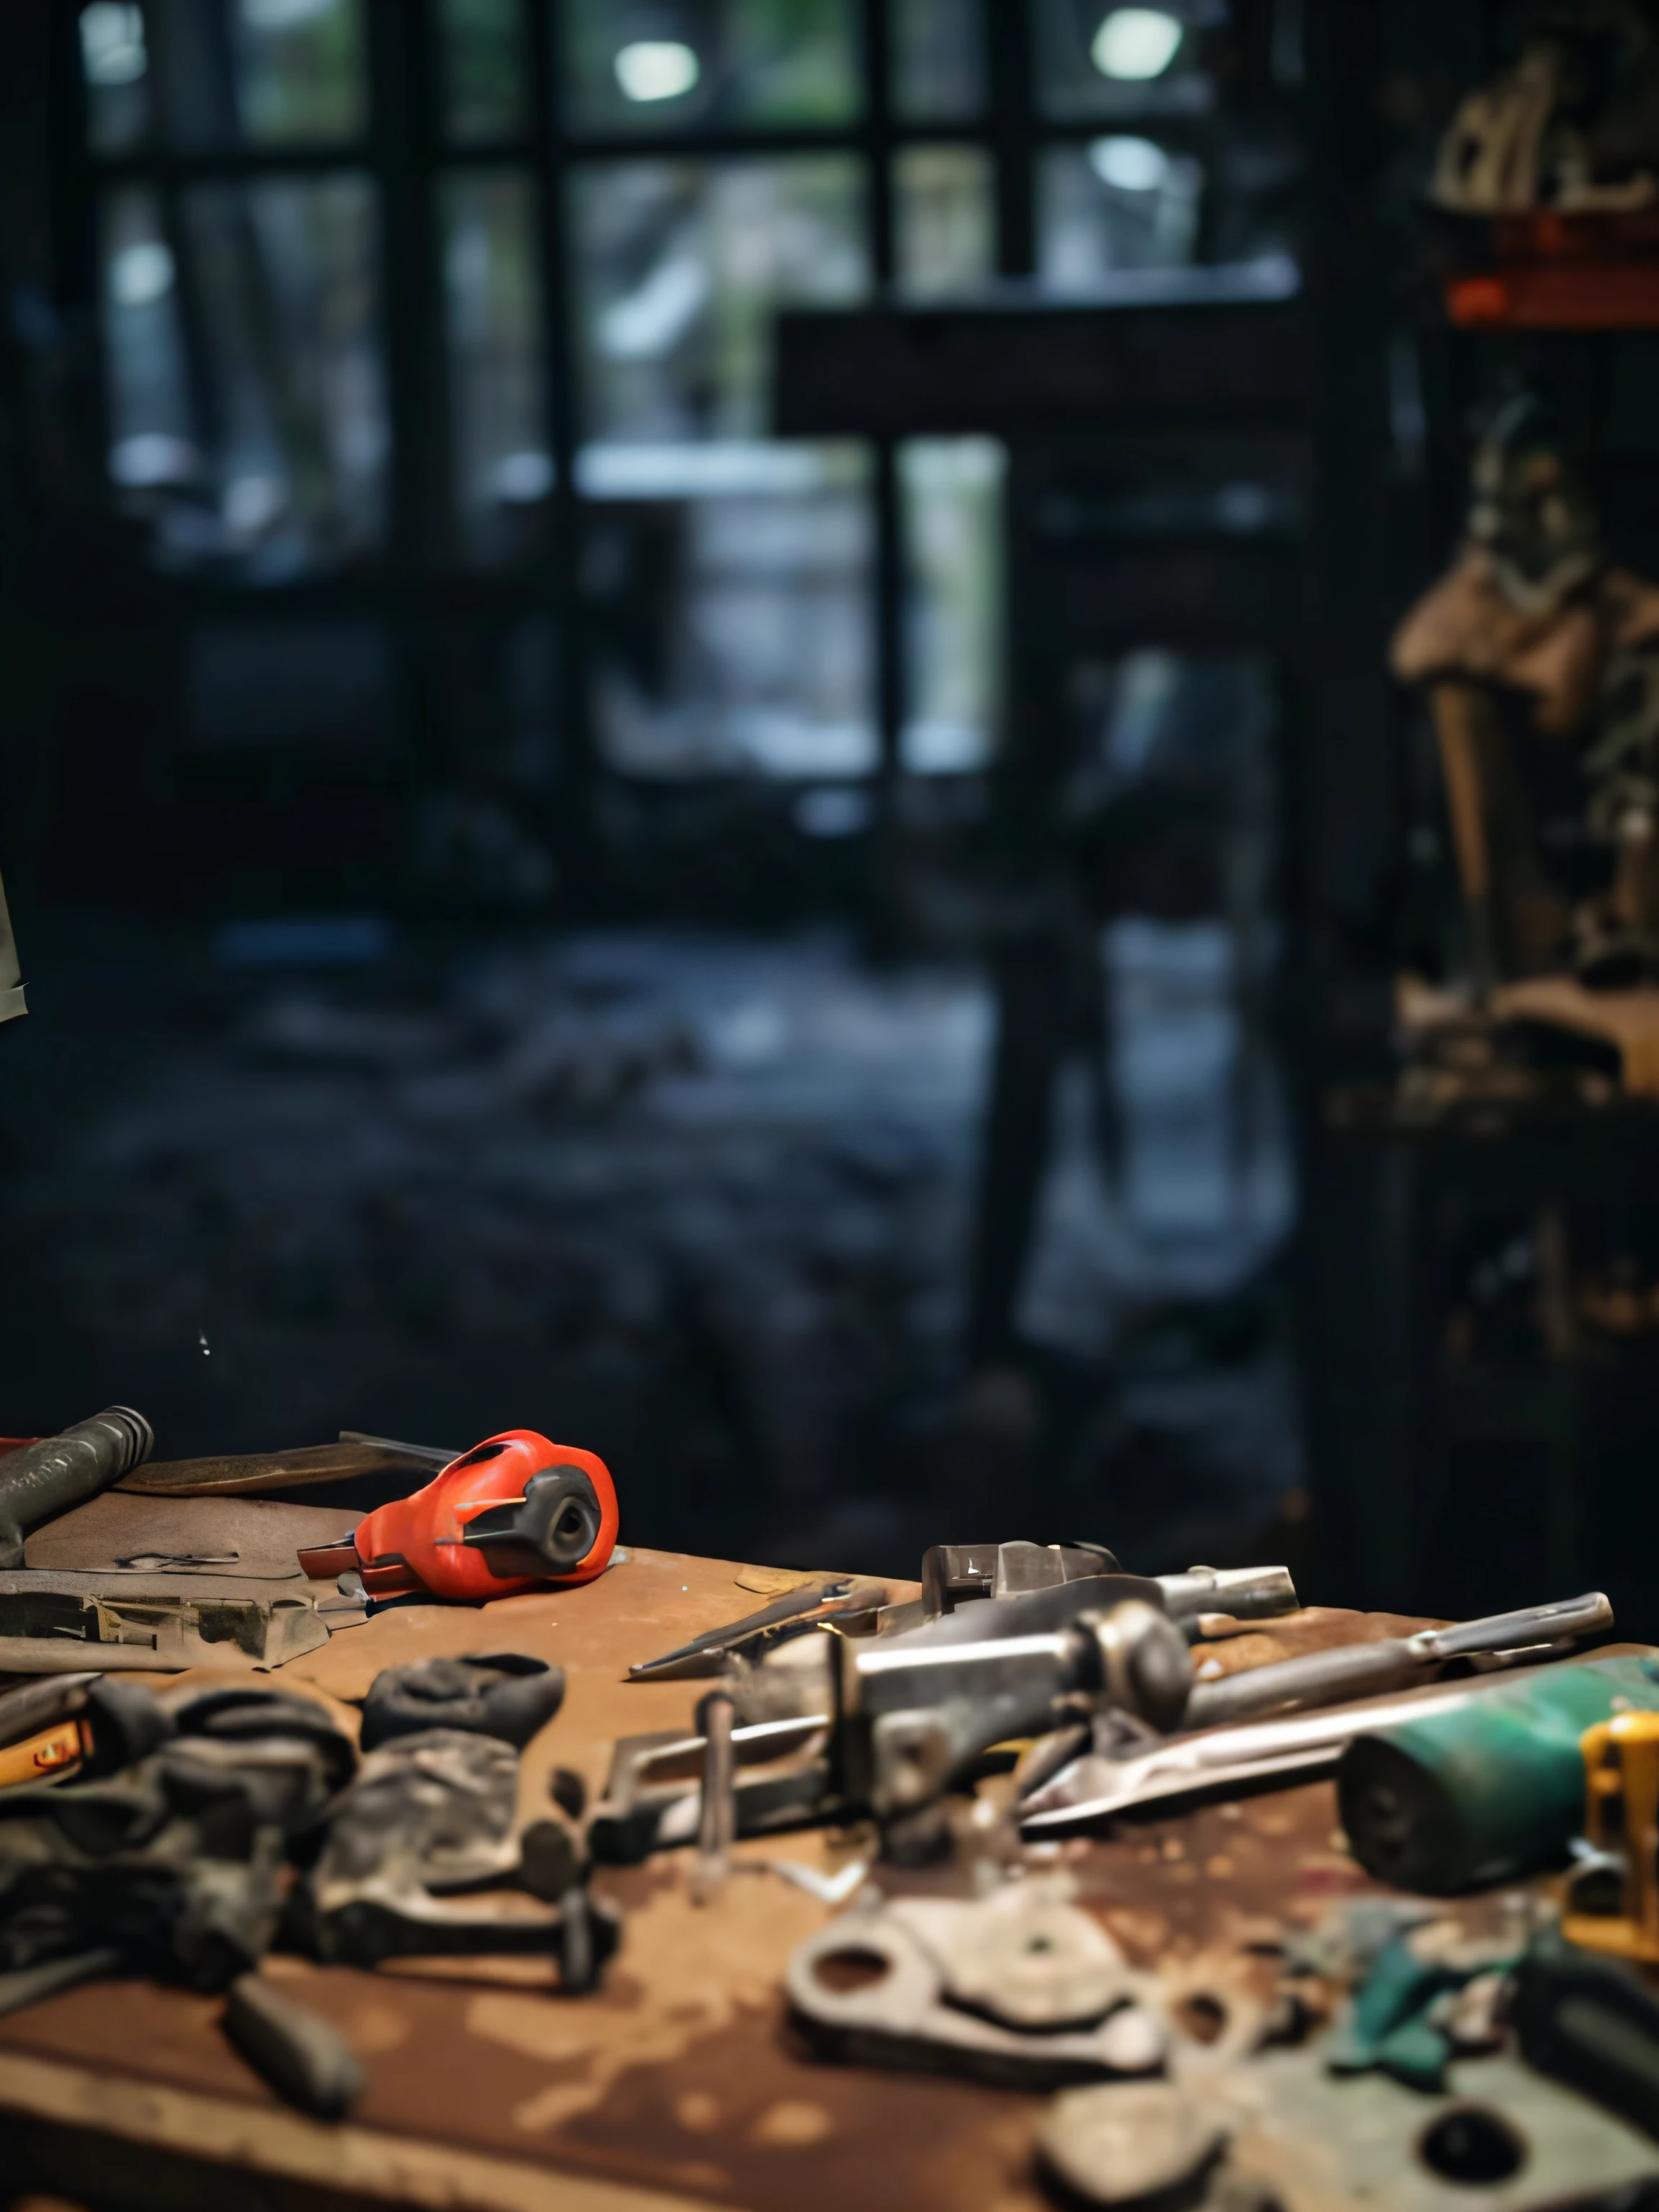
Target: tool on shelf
515	1513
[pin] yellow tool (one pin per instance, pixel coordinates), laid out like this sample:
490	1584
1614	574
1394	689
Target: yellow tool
1621	1819
44	1758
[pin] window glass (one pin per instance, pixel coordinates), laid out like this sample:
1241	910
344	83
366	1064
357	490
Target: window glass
1121	202
938	59
485	68
115	64
260	72
680	266
1098	57
728	574
497	379
944	217
951	490
248	395
655	65
152	437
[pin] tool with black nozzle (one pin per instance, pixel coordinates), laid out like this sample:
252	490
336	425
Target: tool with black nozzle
42	1479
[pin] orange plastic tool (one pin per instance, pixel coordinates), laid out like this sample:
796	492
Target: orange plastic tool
515	1513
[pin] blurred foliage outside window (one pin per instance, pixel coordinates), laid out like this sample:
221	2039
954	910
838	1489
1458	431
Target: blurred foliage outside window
485	63
657	65
498	385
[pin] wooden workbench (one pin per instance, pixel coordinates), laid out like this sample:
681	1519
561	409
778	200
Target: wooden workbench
681	2080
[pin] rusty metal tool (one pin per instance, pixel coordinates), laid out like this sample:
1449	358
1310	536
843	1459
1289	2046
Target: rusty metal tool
252	1473
304	2057
1236	1757
839	1598
955	1574
1357	1670
717	1811
53	1622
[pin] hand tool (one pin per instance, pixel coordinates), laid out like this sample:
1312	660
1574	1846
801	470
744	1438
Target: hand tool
429	1814
887	1724
1487	1789
110	1724
507	1695
176	1861
1256	1592
77	1726
515	1513
44	1479
652	1799
1613	1897
53	1623
305	2058
953	1575
27	1985
1592	2022
915	1712
826	1597
1353	1670
717	1812
247	1474
1233	1758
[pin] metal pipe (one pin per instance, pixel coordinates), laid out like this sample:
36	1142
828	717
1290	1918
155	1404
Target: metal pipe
46	1479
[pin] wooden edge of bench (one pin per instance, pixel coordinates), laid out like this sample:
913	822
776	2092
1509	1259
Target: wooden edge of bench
339	2156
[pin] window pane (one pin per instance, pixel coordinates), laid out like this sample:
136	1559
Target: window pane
152	442
115	63
660	64
1122	203
265	365
729	574
503	471
733	635
680	265
263	72
485	68
952	492
1098	57
939	59
945	216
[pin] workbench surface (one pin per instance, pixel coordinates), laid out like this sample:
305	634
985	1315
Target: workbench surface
682	2079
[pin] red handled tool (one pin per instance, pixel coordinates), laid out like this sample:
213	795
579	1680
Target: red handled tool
515	1513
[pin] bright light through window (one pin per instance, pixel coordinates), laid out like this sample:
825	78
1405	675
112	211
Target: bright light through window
1129	165
140	274
113	44
657	68
1136	43
284	15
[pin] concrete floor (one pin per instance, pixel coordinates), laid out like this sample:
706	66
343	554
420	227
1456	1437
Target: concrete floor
701	1204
